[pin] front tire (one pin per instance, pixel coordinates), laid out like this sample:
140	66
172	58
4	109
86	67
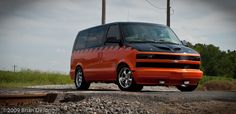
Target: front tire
125	80
80	82
187	88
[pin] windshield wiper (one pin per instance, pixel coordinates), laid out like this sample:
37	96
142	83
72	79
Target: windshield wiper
142	41
167	42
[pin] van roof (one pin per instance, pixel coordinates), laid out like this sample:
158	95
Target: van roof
124	23
132	23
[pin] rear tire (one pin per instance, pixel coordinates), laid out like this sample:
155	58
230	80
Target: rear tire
187	88
125	80
80	82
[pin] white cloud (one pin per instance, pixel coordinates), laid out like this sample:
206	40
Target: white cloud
213	26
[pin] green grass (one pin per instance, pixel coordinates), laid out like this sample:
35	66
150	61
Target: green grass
28	78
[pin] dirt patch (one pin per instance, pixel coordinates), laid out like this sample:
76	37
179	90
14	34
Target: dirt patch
26	99
72	98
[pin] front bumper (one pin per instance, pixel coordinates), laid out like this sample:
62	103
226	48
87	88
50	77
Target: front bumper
153	76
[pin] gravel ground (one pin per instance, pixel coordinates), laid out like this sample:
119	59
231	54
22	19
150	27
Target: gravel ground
107	99
129	103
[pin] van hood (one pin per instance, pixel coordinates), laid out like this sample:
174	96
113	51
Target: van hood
158	47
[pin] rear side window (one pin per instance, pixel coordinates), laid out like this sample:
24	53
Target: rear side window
96	37
80	41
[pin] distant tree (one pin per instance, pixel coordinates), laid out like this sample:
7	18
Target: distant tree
216	62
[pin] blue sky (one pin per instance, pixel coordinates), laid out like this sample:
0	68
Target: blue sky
39	34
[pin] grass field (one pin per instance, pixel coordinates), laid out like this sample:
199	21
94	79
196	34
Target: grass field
28	77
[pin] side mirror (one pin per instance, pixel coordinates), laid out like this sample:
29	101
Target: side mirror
185	43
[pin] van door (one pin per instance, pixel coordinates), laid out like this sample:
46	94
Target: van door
93	53
109	54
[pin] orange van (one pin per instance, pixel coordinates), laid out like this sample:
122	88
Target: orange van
133	55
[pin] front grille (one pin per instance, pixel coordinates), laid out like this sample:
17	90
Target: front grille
171	57
167	65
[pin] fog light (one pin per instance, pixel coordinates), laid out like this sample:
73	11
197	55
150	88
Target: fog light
161	82
186	82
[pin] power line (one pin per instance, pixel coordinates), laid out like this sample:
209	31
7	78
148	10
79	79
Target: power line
153	5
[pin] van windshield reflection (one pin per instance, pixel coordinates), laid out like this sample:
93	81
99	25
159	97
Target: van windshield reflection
149	33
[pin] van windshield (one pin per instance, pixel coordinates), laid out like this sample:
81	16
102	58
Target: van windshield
149	33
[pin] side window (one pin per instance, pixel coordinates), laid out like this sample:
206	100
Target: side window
91	41
101	34
113	33
80	40
96	37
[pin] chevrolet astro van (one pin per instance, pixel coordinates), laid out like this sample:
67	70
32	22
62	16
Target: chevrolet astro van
133	55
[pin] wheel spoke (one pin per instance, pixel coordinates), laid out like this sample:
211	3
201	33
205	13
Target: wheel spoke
80	78
129	73
124	72
126	83
122	79
80	73
130	79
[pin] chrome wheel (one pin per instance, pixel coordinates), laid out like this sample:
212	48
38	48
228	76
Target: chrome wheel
79	78
125	77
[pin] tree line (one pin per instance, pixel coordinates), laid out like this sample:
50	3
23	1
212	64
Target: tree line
216	62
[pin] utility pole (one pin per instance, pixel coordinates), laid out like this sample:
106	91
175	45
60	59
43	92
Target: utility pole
103	11
14	68
168	14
